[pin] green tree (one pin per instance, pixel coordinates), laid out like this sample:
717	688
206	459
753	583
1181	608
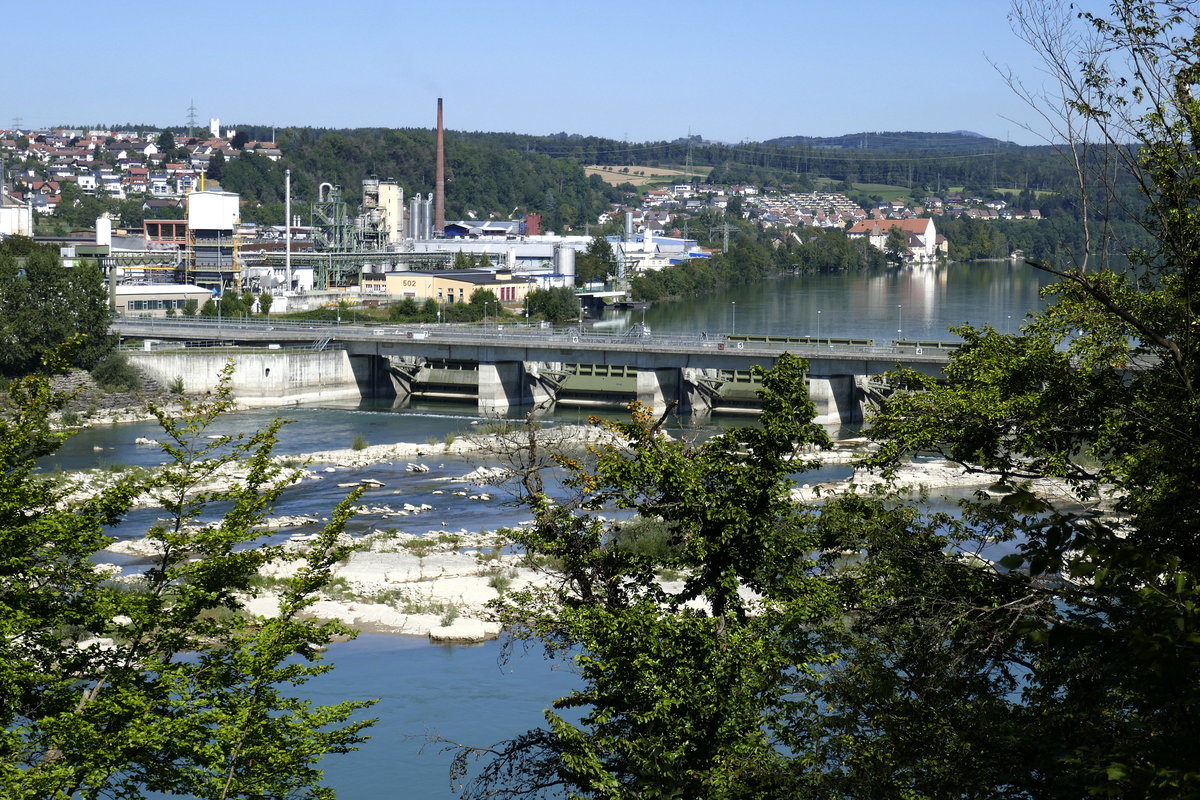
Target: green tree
1093	612
166	145
483	302
265	301
216	166
404	311
558	305
159	683
44	304
596	263
681	691
259	181
895	246
1041	642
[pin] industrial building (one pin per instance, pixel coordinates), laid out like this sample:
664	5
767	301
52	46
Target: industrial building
212	221
393	246
156	299
454	286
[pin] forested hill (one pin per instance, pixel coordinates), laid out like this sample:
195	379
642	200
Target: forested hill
485	174
946	143
509	174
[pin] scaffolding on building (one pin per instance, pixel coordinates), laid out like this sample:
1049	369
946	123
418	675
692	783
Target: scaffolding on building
372	222
333	230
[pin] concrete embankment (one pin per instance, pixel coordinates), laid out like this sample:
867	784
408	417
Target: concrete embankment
260	378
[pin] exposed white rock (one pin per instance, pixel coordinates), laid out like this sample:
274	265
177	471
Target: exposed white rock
289	521
465	631
143	547
100	643
483	476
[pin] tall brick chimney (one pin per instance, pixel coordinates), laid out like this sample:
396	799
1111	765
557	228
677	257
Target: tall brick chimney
439	197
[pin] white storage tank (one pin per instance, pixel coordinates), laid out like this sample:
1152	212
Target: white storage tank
104	229
564	257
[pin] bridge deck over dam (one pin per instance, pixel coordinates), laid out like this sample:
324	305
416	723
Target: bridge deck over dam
507	366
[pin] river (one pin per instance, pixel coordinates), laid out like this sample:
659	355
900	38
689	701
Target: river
466	693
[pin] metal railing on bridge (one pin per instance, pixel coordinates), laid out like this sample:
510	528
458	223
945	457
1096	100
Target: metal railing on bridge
328	331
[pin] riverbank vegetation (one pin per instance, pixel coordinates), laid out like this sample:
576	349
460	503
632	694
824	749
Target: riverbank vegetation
755	255
123	685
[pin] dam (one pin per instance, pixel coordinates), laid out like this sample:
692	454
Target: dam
503	367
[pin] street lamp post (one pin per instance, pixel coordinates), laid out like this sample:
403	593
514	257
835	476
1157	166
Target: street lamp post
899	320
733	316
818	326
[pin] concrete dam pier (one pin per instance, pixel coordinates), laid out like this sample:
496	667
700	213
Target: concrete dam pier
502	369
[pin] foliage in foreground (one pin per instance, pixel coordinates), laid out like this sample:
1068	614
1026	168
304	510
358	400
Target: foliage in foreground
117	686
43	305
750	676
1032	645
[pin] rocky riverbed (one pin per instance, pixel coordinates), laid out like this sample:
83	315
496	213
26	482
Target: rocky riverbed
439	582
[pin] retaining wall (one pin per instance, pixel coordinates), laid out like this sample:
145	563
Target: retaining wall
260	379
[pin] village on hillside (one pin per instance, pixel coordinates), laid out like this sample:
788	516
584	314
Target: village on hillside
44	172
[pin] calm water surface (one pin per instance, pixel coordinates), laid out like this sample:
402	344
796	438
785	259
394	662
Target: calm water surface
921	303
466	693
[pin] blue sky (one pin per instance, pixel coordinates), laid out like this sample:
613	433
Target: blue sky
640	71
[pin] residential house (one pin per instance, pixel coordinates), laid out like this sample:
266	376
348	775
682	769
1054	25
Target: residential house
137	179
159	185
45	204
921	233
157	205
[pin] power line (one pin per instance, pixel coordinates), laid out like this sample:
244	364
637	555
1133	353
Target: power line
756	153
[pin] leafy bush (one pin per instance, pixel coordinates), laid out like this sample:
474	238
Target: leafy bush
359	443
116	374
646	537
497	428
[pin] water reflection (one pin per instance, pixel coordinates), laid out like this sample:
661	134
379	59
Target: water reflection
862	304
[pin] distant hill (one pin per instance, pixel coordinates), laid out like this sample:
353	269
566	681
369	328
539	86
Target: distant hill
953	142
